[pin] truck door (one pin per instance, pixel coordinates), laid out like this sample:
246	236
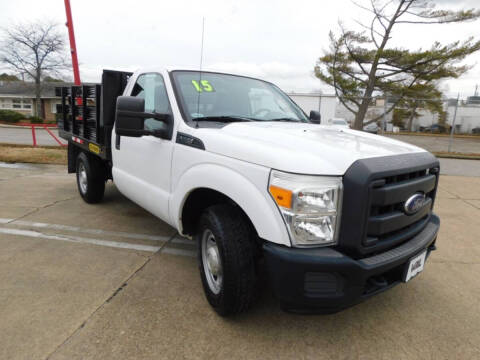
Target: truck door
142	166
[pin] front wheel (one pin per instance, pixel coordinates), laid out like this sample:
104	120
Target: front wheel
226	255
90	179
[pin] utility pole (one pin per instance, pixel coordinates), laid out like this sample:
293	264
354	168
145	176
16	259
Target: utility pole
384	119
452	130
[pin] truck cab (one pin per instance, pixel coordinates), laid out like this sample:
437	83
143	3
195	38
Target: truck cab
333	215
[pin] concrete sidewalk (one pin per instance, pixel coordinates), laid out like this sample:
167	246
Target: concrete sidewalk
110	281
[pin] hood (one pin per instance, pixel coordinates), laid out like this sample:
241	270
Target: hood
299	148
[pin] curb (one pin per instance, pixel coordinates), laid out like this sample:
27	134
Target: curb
26	146
458	136
26	127
457	156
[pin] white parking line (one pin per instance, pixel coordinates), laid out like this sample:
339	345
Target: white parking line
182	240
15	165
77	239
181	252
127	235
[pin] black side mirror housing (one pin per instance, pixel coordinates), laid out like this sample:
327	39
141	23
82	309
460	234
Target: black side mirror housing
315	117
130	117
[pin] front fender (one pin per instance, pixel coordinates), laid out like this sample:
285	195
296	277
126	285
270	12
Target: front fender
252	198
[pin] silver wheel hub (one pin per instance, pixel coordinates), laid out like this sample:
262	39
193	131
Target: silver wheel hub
82	178
212	264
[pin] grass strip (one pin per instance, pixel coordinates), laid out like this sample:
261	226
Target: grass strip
13	153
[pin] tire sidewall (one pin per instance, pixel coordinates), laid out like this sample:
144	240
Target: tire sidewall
234	240
206	222
83	160
95	179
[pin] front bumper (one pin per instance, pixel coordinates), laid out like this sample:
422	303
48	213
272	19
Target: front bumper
325	280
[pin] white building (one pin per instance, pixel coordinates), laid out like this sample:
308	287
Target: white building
325	104
468	118
330	107
468	114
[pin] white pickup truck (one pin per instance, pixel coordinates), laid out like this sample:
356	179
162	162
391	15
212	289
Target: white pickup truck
333	215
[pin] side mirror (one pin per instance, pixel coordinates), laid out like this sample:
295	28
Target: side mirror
130	117
315	117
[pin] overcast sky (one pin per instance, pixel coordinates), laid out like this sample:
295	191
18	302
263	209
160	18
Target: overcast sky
274	40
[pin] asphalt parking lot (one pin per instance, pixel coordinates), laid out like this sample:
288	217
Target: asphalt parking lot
110	281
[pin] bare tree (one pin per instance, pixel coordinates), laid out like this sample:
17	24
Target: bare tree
35	50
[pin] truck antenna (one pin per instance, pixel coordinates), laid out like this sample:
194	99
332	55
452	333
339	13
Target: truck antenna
201	65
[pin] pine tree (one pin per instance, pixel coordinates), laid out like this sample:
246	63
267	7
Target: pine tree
360	64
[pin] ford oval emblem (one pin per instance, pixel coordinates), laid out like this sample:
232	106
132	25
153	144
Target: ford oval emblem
414	203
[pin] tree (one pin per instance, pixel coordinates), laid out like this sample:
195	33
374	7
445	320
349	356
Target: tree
34	49
360	64
8	77
399	116
52	79
431	100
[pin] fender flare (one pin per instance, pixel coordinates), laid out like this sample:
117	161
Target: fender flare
259	207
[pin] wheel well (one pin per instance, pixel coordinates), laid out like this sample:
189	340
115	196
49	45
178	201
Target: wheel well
200	199
103	166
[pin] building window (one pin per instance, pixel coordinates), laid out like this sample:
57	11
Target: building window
54	106
5	104
16	104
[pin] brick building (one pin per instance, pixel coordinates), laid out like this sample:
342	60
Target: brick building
20	96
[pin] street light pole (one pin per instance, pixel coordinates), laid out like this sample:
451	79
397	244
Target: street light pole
452	130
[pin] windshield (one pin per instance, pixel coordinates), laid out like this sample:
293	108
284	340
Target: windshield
221	97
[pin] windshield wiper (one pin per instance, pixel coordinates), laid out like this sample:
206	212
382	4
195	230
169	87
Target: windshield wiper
224	118
285	119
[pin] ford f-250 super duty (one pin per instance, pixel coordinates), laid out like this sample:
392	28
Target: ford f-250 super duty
333	215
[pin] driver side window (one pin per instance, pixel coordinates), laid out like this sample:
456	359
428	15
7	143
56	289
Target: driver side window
151	88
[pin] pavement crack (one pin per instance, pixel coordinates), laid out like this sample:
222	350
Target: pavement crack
111	297
469	203
23	216
451	193
39	208
167	242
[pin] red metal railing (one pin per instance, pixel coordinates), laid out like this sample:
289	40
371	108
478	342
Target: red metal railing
46	128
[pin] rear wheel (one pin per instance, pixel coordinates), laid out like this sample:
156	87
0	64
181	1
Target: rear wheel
226	255
90	178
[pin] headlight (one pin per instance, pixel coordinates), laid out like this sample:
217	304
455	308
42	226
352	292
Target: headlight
310	206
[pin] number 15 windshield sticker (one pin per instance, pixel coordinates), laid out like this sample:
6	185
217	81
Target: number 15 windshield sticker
203	85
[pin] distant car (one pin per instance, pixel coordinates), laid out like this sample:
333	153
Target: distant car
338	122
371	128
435	128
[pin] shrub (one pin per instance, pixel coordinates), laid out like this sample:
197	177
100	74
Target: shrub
11	116
35	120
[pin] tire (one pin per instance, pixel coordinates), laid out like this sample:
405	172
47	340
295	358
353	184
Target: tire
226	227
90	178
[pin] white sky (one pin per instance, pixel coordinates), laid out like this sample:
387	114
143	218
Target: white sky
275	40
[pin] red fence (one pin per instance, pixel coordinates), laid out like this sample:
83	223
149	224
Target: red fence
46	128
